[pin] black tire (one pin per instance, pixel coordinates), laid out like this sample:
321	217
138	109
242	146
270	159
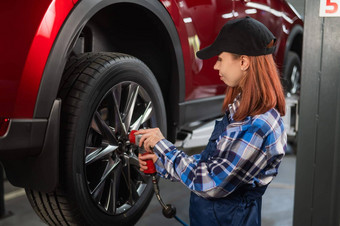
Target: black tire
291	84
292	74
97	161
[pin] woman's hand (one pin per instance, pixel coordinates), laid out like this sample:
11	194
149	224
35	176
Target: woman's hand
142	160
150	137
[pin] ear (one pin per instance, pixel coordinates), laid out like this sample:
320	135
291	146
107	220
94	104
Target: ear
245	61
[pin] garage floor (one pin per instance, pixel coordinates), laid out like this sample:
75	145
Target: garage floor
277	207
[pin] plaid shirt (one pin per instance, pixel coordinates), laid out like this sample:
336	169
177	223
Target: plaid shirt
248	152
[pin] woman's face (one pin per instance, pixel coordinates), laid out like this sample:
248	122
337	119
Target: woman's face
229	68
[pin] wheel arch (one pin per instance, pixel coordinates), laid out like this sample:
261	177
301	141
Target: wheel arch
294	42
89	18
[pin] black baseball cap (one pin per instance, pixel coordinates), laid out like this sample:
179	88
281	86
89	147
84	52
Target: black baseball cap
243	36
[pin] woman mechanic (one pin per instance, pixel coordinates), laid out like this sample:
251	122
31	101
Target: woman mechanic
244	152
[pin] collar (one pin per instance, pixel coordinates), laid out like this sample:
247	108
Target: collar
232	108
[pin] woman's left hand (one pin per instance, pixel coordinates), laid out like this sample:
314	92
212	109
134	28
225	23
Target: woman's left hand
150	137
143	158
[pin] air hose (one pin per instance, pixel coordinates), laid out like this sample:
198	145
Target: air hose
168	210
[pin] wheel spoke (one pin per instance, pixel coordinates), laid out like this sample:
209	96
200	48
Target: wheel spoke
91	151
141	188
95	127
143	118
134	193
114	187
295	80
109	197
116	96
130	104
106	131
129	180
132	160
98	190
99	153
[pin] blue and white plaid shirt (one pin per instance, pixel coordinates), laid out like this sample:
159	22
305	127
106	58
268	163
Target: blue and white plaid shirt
248	152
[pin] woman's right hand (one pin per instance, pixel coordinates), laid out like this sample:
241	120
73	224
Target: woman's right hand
142	160
150	137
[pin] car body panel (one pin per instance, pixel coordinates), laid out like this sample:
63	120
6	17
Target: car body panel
196	31
35	28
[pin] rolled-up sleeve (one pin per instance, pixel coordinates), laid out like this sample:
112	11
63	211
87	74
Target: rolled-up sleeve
235	160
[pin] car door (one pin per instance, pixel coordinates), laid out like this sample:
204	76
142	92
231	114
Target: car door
204	19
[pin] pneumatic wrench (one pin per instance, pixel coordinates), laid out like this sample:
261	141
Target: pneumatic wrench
169	211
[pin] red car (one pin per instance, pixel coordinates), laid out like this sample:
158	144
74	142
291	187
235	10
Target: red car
79	75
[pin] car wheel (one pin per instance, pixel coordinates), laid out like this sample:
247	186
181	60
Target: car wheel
292	74
291	83
104	97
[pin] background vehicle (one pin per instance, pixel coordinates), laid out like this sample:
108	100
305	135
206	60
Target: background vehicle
77	76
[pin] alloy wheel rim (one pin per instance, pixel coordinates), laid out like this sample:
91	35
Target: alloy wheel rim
111	163
294	81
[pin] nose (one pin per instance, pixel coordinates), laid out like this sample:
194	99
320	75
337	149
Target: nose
216	66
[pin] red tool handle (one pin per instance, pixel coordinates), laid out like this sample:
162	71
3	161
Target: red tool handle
132	137
151	167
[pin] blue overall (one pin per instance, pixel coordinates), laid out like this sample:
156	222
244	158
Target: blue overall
241	207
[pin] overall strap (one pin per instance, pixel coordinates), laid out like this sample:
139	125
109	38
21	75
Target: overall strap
220	127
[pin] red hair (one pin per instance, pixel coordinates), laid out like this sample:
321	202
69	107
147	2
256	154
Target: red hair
261	89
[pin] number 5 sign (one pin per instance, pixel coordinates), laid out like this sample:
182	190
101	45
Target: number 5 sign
329	8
